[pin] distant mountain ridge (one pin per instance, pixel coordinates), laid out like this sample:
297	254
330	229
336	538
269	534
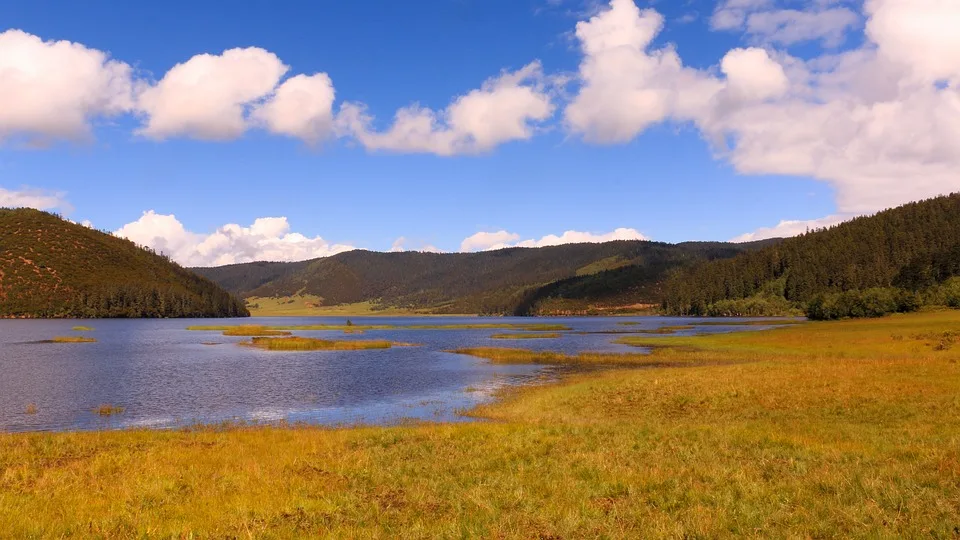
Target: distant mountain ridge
50	267
571	278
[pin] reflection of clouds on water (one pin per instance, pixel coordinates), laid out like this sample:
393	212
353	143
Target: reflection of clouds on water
164	377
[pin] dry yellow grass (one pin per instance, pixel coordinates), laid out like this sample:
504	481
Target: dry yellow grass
502	355
848	429
107	409
310	344
73	339
251	330
532	335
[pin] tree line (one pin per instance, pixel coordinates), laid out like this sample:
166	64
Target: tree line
896	260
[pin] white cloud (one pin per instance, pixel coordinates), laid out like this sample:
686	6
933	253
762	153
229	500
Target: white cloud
398	245
401	243
788	228
301	107
789	26
40	199
624	88
506	108
54	89
485	241
880	123
753	76
921	35
267	239
764	22
207	96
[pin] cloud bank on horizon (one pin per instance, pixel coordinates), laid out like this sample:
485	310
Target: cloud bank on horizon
270	239
878	121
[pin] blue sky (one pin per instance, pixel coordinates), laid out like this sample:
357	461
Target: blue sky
671	179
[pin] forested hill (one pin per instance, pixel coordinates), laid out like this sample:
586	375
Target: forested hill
894	260
50	267
573	278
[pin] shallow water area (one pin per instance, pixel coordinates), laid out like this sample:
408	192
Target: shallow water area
164	375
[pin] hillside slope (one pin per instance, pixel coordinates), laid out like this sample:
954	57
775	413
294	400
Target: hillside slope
507	281
910	249
50	267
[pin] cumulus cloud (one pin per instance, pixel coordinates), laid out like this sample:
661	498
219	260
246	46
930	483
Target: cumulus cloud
301	107
624	87
506	108
401	244
880	123
267	239
54	89
788	228
764	22
40	199
485	241
207	96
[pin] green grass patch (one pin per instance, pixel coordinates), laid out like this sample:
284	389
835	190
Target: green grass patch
83	329
537	335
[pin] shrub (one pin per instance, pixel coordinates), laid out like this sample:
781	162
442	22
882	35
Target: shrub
875	302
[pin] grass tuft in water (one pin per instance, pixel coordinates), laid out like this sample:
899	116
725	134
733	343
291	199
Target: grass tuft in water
311	344
491	326
250	330
83	329
107	409
31	409
526	336
73	339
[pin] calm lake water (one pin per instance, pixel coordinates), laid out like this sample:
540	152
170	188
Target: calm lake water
164	376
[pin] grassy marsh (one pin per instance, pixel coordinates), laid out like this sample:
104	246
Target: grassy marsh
311	344
842	429
73	339
312	306
501	355
300	327
771	322
254	330
492	326
83	329
354	328
538	335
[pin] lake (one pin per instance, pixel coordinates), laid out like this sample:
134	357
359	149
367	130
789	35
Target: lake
165	376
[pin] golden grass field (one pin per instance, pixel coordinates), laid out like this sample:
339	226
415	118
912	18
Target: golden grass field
844	429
